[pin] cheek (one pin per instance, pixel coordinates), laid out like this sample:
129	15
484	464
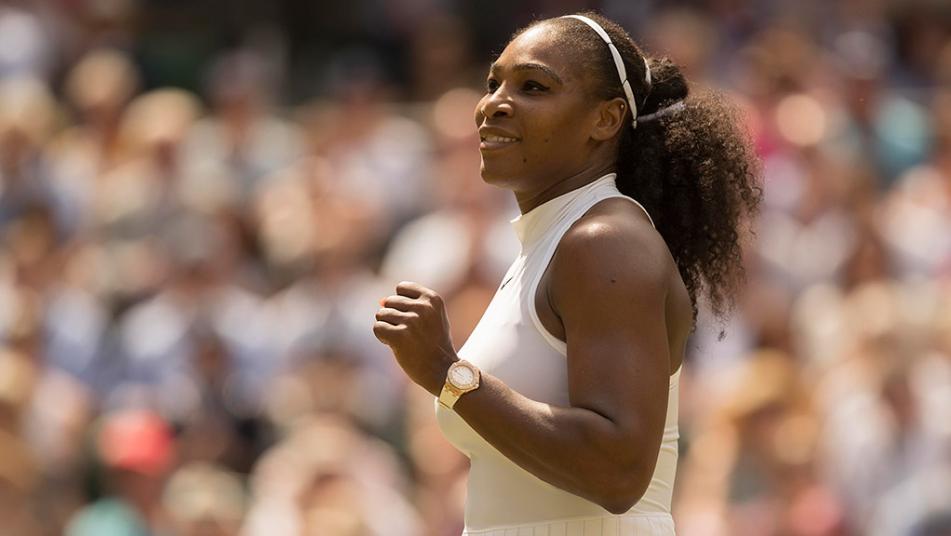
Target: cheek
477	113
557	136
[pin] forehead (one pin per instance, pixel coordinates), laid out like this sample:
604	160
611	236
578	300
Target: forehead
541	44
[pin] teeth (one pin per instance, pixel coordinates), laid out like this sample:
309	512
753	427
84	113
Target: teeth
499	139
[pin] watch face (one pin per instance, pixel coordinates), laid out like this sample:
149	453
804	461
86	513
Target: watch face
462	376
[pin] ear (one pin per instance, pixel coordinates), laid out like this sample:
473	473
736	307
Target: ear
612	115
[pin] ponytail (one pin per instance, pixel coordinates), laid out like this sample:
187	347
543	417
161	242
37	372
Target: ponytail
695	171
688	161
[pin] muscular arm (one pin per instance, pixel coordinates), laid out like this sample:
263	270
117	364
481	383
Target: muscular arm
609	281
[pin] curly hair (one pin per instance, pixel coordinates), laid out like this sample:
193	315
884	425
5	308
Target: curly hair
695	171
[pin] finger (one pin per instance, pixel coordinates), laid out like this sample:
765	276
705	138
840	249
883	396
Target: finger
403	303
415	290
411	289
385	332
394	316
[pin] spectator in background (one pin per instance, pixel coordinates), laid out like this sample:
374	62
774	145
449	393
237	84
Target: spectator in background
27	39
145	193
440	45
160	339
916	213
325	478
755	471
243	137
19	469
893	129
27	118
375	155
204	500
98	89
136	450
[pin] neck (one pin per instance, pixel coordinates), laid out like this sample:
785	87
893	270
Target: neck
529	200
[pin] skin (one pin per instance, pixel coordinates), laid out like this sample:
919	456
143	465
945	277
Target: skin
611	290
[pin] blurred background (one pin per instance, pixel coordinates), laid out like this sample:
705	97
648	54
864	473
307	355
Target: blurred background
201	202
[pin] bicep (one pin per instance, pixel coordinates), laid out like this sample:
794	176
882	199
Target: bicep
609	287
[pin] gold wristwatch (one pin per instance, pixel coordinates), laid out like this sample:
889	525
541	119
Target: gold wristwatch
462	377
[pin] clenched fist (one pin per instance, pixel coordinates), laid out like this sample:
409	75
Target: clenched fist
413	323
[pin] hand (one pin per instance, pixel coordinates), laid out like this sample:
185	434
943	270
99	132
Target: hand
413	323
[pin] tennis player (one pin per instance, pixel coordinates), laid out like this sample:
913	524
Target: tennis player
633	195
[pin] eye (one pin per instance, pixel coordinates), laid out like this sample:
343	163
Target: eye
491	85
531	85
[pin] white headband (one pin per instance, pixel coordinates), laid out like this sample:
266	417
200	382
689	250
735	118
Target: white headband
619	63
673	108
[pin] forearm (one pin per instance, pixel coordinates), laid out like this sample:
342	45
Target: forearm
571	448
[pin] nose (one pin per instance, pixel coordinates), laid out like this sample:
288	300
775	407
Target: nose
495	104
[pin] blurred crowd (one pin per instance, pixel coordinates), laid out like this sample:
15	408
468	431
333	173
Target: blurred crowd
191	255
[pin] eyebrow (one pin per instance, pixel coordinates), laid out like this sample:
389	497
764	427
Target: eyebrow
531	67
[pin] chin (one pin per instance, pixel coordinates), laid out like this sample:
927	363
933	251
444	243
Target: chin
496	177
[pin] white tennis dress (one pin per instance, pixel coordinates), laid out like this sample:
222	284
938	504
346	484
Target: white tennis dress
511	344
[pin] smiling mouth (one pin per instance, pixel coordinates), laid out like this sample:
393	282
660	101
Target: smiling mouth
496	142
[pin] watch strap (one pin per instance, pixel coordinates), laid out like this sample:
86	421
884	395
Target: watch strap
448	396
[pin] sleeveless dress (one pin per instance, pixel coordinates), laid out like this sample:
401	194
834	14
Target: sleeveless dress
510	343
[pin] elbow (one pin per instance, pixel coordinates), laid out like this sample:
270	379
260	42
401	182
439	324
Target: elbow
624	469
619	503
626	489
618	508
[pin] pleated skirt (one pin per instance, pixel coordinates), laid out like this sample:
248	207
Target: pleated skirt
620	525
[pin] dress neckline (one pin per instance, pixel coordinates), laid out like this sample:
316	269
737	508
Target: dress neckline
529	227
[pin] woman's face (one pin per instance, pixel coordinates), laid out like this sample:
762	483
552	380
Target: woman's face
536	118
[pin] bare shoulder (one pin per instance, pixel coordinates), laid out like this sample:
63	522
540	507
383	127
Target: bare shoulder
613	276
617	232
